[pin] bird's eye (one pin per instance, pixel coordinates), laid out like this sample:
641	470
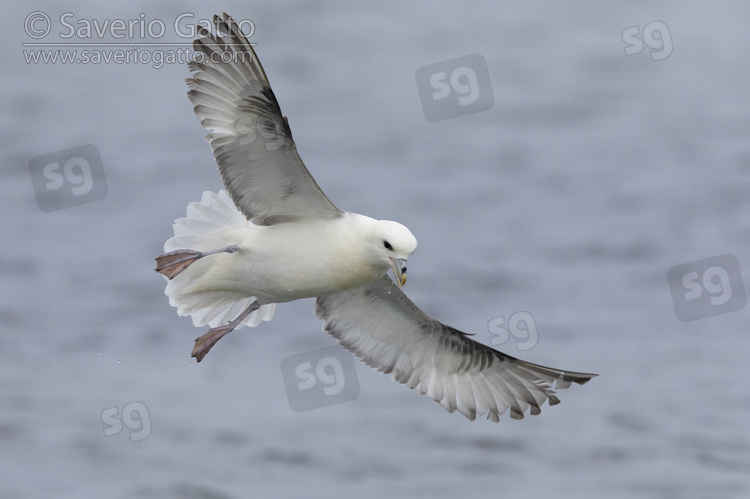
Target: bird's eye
387	245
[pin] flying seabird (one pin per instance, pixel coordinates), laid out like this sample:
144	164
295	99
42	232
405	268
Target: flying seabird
273	236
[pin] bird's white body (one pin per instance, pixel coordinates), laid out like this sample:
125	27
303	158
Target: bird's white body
304	258
283	262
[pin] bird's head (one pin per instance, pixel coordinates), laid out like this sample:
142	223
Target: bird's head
391	244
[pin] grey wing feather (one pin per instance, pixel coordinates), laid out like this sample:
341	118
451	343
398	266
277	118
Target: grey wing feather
384	329
250	138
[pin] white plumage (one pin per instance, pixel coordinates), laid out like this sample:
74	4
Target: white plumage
273	236
207	224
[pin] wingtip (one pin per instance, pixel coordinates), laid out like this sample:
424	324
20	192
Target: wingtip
566	378
585	378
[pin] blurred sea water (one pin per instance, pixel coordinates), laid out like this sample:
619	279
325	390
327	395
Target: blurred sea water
592	175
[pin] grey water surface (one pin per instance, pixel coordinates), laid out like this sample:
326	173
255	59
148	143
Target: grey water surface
589	176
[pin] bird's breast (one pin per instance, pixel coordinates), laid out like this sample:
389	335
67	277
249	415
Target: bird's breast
289	261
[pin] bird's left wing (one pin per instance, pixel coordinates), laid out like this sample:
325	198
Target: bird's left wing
251	139
384	329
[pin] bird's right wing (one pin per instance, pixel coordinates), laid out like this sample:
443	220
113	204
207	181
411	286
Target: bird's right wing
388	332
250	138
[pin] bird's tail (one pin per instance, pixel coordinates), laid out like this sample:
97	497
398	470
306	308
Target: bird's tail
193	290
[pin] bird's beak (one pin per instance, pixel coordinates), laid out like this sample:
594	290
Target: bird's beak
399	270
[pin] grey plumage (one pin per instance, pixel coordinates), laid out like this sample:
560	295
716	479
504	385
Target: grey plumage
250	138
385	330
